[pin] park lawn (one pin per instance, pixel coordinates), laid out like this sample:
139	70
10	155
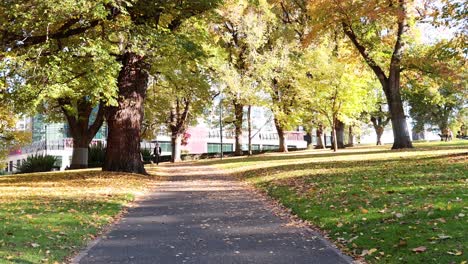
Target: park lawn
46	217
374	203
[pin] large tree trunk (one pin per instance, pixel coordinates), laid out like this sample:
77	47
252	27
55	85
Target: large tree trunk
401	136
319	133
249	120
239	115
350	137
339	134
176	140
124	120
281	136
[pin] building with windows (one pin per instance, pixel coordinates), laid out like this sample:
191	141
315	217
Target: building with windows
54	139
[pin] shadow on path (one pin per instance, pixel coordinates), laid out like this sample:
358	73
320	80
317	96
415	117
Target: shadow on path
200	216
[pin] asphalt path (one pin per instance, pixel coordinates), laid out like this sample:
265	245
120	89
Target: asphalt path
200	216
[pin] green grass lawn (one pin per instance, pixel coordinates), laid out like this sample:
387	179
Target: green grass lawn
376	203
46	217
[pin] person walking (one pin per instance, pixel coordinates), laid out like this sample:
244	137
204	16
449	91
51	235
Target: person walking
156	153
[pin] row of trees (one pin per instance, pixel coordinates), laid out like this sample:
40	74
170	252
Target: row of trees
144	64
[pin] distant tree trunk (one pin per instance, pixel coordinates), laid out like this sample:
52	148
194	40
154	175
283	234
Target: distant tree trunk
350	137
334	141
281	136
239	116
309	135
320	134
379	131
176	140
124	120
418	135
249	120
81	131
178	117
339	134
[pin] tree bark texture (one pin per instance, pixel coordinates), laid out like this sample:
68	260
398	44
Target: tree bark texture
124	120
239	116
281	137
401	136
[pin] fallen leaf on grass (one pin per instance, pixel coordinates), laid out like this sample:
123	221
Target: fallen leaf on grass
443	237
456	253
34	245
369	252
364	211
419	249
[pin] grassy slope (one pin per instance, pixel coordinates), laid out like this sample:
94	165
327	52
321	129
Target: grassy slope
45	217
371	198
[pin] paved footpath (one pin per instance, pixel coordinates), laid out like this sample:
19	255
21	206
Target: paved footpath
199	216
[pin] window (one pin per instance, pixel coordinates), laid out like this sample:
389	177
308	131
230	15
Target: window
215	147
270	147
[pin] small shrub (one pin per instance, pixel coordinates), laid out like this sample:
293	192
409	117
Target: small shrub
37	163
147	155
96	155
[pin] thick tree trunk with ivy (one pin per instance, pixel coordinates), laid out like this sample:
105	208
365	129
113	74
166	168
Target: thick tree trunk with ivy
281	136
319	133
239	116
81	130
124	120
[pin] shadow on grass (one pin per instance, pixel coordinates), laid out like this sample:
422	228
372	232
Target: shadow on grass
321	154
61	176
58	226
383	167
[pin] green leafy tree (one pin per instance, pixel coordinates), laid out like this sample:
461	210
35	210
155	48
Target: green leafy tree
131	29
240	32
338	90
181	90
379	31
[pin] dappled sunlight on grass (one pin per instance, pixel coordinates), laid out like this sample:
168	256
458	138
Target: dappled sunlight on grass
44	217
375	198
